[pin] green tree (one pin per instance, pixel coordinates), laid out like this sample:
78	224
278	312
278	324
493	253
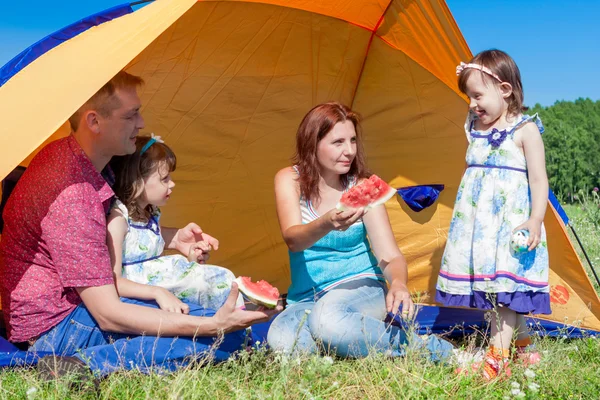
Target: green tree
572	142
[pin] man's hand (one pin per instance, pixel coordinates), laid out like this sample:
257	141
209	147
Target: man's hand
230	318
189	236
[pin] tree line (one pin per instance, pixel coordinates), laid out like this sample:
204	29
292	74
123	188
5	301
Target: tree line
572	143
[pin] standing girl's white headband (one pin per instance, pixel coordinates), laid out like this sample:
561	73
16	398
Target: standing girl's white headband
462	66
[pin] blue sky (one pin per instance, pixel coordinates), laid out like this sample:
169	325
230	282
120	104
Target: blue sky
555	43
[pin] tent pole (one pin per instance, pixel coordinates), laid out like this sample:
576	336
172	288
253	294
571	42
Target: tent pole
585	254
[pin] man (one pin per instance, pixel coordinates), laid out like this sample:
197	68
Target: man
58	292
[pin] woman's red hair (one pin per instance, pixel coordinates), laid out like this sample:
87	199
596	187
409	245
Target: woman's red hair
315	125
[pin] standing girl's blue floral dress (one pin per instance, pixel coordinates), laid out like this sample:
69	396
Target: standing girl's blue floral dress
206	285
479	269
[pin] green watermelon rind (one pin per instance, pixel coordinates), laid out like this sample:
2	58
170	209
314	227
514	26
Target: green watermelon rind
253	297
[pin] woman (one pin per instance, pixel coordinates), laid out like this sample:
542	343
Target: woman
339	295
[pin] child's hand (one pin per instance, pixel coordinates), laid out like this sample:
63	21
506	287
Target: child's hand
535	232
169	302
199	252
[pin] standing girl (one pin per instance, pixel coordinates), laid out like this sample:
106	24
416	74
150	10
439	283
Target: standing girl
503	190
136	240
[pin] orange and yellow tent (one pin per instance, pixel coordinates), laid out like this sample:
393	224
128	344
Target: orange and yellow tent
227	83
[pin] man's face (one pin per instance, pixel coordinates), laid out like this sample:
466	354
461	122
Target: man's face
119	130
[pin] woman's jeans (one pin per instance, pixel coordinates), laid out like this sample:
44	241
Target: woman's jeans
348	321
79	335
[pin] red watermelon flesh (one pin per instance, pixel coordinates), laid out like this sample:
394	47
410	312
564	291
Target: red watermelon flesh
260	292
368	194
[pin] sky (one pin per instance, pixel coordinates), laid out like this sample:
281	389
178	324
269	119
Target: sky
555	43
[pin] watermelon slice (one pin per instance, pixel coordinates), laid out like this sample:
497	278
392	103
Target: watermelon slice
368	194
261	292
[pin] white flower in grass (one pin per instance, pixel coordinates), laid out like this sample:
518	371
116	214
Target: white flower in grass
516	392
515	385
31	392
529	373
534	387
520	395
328	360
335	384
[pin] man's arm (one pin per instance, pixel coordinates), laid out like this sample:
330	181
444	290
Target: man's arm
115	316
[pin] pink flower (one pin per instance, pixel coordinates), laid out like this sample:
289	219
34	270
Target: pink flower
596	189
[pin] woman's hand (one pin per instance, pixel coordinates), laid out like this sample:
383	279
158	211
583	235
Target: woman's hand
342	220
535	232
169	302
200	252
399	296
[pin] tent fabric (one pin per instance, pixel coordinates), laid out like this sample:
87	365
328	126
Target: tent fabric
11	356
556	204
49	42
458	322
228	82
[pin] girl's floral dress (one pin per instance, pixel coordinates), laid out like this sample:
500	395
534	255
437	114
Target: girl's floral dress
479	269
203	284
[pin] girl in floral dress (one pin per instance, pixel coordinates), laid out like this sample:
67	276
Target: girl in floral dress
136	240
504	189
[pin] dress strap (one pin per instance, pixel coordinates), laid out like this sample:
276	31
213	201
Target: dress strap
528	118
118	204
469	123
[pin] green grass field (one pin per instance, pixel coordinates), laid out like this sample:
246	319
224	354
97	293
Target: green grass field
570	369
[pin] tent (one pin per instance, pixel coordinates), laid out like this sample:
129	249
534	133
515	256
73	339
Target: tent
227	83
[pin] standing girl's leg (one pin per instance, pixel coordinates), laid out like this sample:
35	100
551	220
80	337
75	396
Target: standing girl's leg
525	350
289	332
504	321
503	324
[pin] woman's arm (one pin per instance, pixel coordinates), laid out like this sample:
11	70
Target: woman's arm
533	147
117	229
300	236
390	260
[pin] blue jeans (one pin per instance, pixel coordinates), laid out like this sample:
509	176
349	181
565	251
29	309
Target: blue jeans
348	321
79	335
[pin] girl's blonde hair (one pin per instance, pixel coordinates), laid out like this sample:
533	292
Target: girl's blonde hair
505	68
131	170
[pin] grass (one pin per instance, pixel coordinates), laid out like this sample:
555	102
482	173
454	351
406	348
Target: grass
570	369
264	375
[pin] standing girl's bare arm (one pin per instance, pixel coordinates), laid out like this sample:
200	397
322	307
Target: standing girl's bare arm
533	147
